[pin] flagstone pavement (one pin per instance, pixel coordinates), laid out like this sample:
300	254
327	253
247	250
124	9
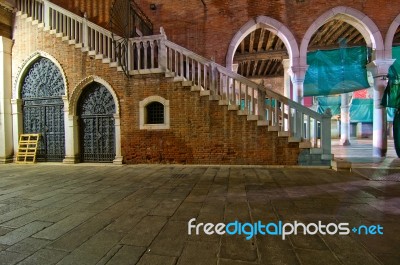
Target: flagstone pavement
96	214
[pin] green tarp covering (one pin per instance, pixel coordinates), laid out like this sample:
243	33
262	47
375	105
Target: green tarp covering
391	97
332	102
361	110
336	71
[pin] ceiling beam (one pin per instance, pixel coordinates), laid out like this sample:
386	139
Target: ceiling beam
321	32
279	55
267	67
330	47
251	45
261	40
270	41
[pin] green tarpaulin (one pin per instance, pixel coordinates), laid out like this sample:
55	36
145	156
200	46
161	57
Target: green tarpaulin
391	97
336	71
332	102
361	110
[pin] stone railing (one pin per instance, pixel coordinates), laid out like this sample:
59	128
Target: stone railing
155	54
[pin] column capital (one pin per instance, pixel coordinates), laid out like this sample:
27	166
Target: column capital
298	73
286	64
380	67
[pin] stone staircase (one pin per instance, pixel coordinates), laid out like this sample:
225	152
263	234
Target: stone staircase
156	54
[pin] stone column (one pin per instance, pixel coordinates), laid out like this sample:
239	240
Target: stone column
297	74
6	139
286	77
345	119
118	155
379	69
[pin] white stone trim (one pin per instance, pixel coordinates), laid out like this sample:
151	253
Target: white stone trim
142	114
390	36
26	64
357	19
73	150
270	24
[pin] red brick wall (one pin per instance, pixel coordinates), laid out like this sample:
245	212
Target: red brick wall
201	130
209	30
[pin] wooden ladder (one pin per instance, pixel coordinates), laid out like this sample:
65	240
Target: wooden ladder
27	148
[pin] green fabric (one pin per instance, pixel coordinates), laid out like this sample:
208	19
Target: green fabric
331	102
336	71
390	114
361	110
391	96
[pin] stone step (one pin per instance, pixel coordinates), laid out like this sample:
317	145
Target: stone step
305	145
262	123
242	113
273	128
253	117
233	107
223	102
283	134
205	93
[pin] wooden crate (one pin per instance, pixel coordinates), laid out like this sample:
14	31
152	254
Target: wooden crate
27	148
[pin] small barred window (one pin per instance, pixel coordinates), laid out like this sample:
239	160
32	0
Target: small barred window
155	113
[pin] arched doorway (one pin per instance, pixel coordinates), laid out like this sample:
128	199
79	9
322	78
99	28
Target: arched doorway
43	108
96	109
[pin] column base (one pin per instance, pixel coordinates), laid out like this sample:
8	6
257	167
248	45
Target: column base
71	160
118	160
378	152
6	160
345	142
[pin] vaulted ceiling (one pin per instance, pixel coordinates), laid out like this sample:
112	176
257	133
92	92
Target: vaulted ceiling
260	54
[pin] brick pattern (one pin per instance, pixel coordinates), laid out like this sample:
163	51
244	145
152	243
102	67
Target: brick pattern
201	130
209	29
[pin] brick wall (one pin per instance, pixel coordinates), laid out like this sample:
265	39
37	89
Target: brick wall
208	30
201	130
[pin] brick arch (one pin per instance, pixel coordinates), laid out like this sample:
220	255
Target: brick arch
390	35
356	18
81	86
25	66
270	24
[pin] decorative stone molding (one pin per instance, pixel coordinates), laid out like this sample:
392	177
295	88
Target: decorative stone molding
22	70
142	113
85	82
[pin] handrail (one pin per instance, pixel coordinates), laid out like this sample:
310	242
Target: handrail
157	54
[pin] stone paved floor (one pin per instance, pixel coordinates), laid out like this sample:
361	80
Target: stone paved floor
85	214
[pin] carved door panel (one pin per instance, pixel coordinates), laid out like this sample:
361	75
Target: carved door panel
96	110
43	109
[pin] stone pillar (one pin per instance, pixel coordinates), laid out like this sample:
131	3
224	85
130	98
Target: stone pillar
17	128
298	74
345	119
6	139
118	155
286	77
379	69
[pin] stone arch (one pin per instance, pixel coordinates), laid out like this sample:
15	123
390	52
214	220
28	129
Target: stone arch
16	101
25	66
356	18
390	35
73	148
81	86
270	24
